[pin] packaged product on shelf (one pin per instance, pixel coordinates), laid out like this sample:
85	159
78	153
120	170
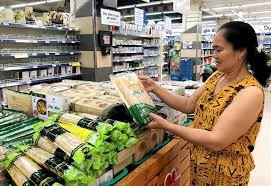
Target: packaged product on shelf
98	107
69	173
46	19
19	101
8	117
25	76
18	177
134	95
7	15
33	74
19	16
18	133
30	169
29	15
43	73
49	146
66	19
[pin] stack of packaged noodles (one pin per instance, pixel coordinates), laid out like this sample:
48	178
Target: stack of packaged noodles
68	150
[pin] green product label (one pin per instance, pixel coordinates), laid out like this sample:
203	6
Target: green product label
11	157
53	131
87	124
42	179
140	113
56	165
28	183
62	155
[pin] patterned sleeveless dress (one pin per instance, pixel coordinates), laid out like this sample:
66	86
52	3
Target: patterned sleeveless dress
232	165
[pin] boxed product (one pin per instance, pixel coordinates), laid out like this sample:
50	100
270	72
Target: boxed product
33	74
69	70
25	76
39	106
51	72
19	101
98	107
45	105
43	73
63	71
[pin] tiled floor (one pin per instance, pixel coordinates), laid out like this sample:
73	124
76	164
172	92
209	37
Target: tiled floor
261	175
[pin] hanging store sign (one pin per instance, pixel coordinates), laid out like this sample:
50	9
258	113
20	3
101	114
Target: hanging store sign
139	17
110	17
209	30
267	28
181	6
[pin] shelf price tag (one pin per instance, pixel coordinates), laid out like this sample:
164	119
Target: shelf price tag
47	41
34	54
47	54
57	53
35	66
53	65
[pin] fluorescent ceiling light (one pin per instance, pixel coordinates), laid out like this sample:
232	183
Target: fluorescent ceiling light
206	22
226	7
175	18
256	4
254	18
155	20
148	4
145	4
34	3
213	16
152	13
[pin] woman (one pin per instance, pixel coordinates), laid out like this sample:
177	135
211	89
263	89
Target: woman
228	109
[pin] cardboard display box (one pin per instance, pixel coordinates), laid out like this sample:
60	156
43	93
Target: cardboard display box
172	159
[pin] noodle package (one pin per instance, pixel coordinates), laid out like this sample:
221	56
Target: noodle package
30	169
69	173
135	97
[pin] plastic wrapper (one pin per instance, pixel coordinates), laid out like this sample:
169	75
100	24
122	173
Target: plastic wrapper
69	118
135	97
18	177
19	16
118	136
69	173
104	128
49	146
131	141
85	135
30	169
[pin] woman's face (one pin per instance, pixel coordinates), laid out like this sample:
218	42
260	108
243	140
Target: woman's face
226	57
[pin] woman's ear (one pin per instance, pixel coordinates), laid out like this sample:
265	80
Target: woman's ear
242	54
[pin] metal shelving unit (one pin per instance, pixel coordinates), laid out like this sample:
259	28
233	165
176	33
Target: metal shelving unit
16	25
14	82
38	53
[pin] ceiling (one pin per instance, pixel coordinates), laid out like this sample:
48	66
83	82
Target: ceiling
255	11
155	12
37	8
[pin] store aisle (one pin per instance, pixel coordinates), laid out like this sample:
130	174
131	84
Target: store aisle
262	154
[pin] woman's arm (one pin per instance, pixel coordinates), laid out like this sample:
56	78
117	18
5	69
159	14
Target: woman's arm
236	119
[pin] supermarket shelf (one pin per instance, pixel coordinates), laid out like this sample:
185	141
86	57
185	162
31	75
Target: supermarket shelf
43	80
127	60
128	45
37	41
207	41
151	46
38	27
207	48
134	35
31	67
151	66
25	55
153	76
207	56
152	55
129	69
123	53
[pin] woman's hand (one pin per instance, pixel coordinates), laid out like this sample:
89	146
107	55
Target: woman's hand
148	83
157	122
